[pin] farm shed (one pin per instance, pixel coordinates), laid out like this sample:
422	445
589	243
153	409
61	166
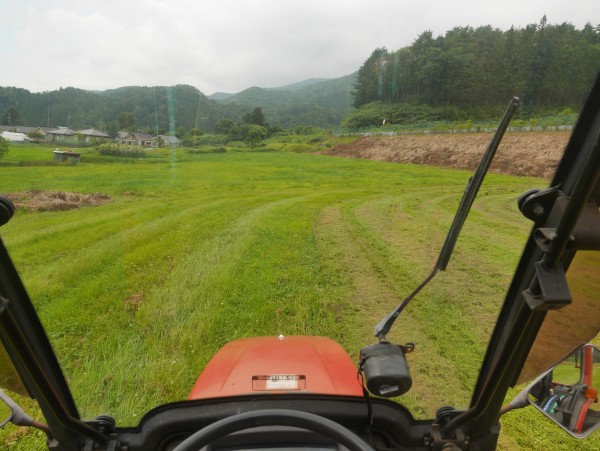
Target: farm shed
60	155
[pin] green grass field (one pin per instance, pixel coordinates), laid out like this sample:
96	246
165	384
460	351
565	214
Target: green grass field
196	249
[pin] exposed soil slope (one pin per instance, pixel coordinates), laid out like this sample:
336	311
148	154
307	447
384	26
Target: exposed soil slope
520	153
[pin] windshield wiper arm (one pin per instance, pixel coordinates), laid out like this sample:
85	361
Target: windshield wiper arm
473	185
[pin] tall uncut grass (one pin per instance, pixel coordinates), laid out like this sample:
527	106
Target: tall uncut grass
197	249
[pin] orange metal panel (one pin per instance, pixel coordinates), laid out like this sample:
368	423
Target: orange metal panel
264	365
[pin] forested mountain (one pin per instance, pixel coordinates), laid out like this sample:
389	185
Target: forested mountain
259	96
316	102
165	108
312	102
290	87
219	95
170	107
299	85
478	69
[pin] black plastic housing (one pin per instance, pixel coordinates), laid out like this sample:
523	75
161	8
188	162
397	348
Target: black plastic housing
385	369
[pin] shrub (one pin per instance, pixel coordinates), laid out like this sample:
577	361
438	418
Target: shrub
375	113
121	150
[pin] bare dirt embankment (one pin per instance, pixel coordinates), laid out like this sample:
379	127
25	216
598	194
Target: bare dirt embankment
520	153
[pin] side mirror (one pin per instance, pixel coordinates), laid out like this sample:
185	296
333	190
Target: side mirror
5	413
11	411
567	394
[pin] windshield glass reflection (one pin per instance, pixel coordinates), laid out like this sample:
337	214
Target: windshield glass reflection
571	326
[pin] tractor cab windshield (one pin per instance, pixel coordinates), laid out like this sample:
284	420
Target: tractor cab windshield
377	261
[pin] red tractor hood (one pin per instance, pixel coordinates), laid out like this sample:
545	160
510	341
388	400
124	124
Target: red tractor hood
268	365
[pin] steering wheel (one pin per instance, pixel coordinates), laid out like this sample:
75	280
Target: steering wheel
273	417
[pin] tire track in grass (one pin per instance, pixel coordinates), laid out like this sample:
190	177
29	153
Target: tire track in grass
84	316
57	233
445	313
368	297
404	266
471	266
137	231
483	251
185	321
483	264
217	259
484	271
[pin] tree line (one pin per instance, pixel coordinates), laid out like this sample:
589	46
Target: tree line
163	109
475	71
152	109
468	73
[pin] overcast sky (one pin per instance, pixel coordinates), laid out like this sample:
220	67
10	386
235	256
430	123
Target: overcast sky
230	45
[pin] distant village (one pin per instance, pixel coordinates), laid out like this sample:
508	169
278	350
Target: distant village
64	135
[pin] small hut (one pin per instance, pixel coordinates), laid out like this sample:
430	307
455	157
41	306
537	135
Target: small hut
71	157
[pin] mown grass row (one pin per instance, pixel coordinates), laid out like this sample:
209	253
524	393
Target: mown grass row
138	294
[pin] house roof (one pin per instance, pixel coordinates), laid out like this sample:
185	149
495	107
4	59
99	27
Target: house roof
67	152
170	139
61	131
17	128
134	136
93	132
143	136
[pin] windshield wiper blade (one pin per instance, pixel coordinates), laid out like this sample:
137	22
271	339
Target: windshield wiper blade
473	185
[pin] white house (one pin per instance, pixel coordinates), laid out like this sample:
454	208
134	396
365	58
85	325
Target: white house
134	139
15	137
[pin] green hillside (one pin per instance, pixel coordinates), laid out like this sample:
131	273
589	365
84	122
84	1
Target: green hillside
472	73
162	107
315	102
311	102
299	85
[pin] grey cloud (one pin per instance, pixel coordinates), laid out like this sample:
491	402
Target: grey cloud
229	45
